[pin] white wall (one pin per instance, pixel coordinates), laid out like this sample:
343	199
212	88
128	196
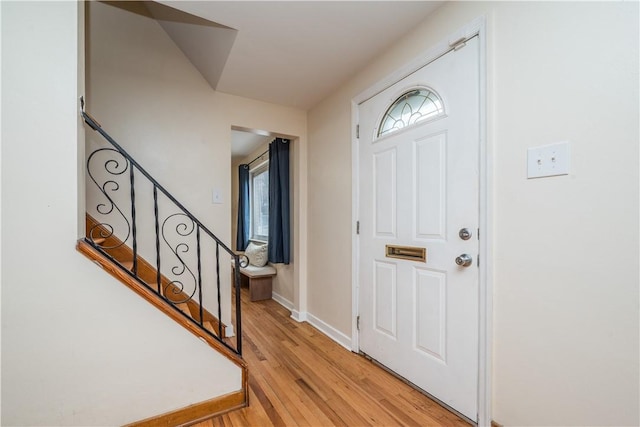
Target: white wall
151	99
78	347
565	255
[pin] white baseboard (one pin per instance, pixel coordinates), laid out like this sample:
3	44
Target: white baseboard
329	331
299	316
295	314
228	331
282	301
320	325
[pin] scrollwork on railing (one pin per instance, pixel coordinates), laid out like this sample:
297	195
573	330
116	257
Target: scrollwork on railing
178	226
114	167
244	260
181	273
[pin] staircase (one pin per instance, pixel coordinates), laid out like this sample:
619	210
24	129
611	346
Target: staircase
140	234
117	251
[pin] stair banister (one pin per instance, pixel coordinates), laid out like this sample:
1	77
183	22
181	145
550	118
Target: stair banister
201	313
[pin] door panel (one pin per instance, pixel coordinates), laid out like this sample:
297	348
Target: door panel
430	312
418	187
431	187
385	298
384	176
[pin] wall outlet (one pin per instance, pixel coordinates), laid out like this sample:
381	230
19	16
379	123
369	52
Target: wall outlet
548	160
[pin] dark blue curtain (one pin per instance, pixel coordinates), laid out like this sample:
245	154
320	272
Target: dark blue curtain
279	234
242	238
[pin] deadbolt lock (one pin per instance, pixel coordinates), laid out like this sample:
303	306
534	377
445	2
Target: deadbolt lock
465	234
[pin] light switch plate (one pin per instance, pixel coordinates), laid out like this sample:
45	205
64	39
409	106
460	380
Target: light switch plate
216	196
548	160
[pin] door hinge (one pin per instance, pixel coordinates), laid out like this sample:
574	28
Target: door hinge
358	322
357	227
358	131
459	43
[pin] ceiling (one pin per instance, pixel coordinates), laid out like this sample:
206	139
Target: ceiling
291	53
245	142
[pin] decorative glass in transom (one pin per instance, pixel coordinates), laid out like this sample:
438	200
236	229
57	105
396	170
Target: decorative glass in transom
410	108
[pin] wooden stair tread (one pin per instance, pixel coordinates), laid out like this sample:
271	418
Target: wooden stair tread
209	327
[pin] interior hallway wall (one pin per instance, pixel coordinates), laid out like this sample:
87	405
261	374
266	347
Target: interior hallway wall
78	348
151	99
565	249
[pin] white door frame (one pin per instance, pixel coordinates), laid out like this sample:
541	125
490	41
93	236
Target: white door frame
485	275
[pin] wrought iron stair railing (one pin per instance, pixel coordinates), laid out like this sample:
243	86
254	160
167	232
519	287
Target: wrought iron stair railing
137	219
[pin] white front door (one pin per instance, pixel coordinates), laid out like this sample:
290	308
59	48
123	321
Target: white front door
418	188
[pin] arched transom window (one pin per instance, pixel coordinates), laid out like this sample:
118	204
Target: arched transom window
410	108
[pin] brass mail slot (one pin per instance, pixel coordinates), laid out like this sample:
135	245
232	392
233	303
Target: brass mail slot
406	252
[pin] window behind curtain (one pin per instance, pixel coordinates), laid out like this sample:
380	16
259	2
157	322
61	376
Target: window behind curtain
260	202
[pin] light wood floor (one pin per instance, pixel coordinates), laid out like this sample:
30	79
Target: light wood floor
299	377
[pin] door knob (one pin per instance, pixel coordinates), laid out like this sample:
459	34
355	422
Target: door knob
464	260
